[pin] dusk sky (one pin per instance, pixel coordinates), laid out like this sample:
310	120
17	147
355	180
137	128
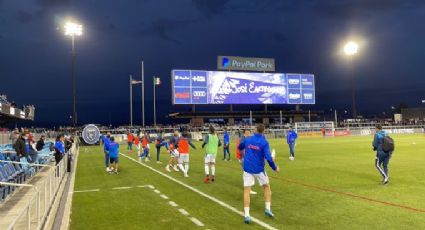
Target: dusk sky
304	36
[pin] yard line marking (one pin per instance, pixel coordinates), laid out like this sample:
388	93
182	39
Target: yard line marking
221	203
172	204
164	197
120	188
157	191
323	189
91	190
197	222
184	212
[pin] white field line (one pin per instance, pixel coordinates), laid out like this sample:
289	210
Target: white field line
121	188
172	204
184	212
221	203
157	191
90	190
164	197
197	222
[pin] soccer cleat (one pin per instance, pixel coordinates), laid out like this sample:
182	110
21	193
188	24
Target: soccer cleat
185	175
207	180
176	169
167	168
253	192
247	220
212	178
116	172
386	180
107	169
269	213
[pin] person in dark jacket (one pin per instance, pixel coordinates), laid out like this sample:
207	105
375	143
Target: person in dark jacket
20	146
382	158
40	143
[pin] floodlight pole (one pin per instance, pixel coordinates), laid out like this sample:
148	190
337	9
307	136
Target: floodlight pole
143	93
74	110
131	102
353	86
154	103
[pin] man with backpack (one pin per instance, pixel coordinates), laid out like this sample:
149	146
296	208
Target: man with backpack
384	147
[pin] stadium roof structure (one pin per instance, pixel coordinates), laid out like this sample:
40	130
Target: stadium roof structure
9	113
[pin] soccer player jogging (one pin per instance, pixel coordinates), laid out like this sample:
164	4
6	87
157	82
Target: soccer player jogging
383	153
226	141
129	142
137	144
239	153
291	137
145	147
211	144
113	155
174	153
106	141
257	150
183	148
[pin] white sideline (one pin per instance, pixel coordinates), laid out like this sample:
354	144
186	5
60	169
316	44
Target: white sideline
184	212
233	209
173	204
164	197
197	222
120	188
90	190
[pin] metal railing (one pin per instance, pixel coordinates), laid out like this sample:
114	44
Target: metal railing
34	214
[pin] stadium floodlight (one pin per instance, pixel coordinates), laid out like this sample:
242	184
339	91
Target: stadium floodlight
351	48
73	29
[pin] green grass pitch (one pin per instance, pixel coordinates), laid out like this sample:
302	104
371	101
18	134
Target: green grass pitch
332	184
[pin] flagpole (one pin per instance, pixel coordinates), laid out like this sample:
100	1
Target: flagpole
143	95
131	103
154	102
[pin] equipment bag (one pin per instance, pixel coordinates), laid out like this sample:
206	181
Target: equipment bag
388	144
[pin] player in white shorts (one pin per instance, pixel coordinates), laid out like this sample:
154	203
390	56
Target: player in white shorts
211	144
257	149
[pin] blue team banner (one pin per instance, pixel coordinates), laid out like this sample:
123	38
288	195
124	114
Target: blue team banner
223	87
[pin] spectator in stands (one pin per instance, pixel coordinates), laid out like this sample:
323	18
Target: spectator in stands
14	136
40	143
291	137
59	148
20	146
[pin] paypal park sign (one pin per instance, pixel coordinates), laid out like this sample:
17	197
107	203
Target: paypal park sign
245	64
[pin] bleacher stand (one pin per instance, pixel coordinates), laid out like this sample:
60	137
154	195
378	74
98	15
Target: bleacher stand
17	171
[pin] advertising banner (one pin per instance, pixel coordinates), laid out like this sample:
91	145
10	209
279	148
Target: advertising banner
223	87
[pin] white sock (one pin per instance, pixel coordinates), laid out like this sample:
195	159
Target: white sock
213	170
181	167
268	206
207	169
246	211
186	168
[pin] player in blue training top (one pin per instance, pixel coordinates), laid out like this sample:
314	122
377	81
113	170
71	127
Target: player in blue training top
257	150
226	147
291	137
113	155
106	141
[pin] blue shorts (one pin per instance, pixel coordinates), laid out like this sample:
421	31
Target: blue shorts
113	160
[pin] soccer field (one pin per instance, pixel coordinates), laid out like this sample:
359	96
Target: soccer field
332	184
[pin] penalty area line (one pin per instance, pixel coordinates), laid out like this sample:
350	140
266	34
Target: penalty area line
215	200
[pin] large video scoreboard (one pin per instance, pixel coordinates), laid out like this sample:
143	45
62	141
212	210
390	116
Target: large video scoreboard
223	87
